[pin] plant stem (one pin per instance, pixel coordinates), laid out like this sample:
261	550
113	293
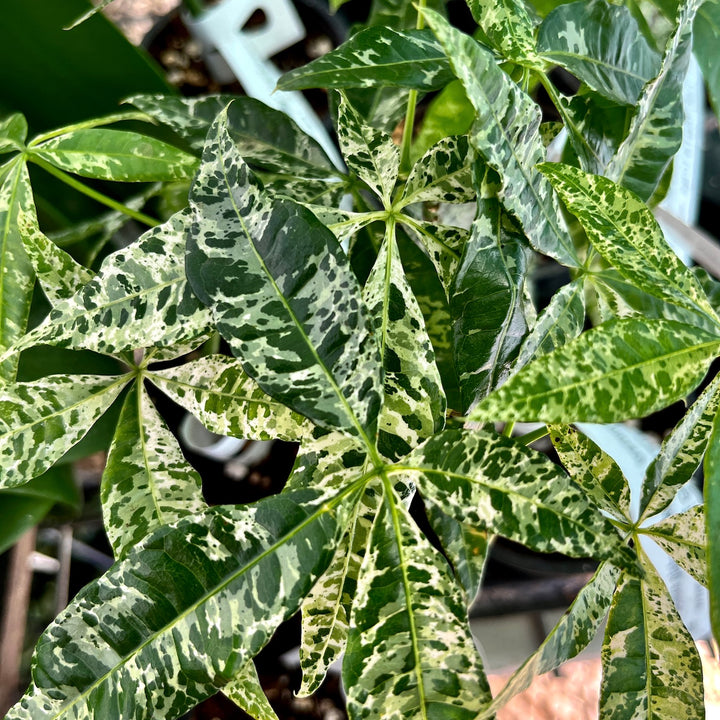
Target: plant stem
531	437
91	193
508	429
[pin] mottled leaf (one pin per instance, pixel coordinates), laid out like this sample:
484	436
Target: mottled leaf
655	131
246	692
13	132
195	602
343	223
41	420
593	470
410	653
139	298
443	174
147	483
680	454
651	667
505	134
559	323
711	490
399	13
216	390
622	369
706	38
116	155
682	536
601	45
368	152
376	57
573	632
487	304
623	230
305	337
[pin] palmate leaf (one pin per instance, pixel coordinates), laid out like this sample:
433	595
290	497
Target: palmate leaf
682	536
621	369
573	632
505	134
218	392
560	322
304	337
376	57
680	454
368	152
41	420
601	45
410	653
487	303
655	131
182	614
147	483
533	502
139	298
414	403
16	272
651	667
593	470
116	155
623	230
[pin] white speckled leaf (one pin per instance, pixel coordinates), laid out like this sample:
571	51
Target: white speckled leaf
147	483
414	403
621	369
305	337
681	453
140	642
368	152
532	501
13	132
601	45
117	155
343	223
573	632
593	470
139	298
506	136
655	131
246	692
410	654
218	392
651	666
624	231
41	420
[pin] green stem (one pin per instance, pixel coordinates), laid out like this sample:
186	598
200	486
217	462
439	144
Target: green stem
194	7
531	437
94	194
508	429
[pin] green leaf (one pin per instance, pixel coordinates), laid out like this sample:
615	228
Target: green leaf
147	483
368	152
623	230
16	273
139	298
102	4
651	667
376	57
655	131
593	470
509	25
622	369
398	13
443	174
216	390
706	38
343	223
559	323
414	403
326	610
682	536
187	610
680	454
410	653
601	45
246	692
116	155
304	337
533	502
573	632
13	132
711	489
487	304
505	134
52	414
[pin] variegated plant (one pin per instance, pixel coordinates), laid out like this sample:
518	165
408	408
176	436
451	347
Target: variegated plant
388	342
